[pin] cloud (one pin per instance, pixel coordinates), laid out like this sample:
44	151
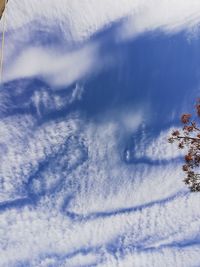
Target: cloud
29	233
157	148
91	207
114	184
46	101
130	119
130	209
76	23
167	16
81	20
76	19
25	147
57	69
166	257
86	161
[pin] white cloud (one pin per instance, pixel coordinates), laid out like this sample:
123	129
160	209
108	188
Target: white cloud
82	260
79	18
83	18
100	182
26	146
29	233
114	184
130	119
107	184
157	148
45	101
77	21
56	68
166	257
169	16
79	259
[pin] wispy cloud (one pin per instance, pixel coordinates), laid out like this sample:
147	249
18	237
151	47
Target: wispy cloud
157	148
57	69
79	19
78	22
167	16
74	26
85	18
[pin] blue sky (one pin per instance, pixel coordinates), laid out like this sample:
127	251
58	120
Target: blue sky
87	177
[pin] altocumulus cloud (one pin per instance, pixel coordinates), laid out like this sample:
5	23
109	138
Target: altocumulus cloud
67	197
115	218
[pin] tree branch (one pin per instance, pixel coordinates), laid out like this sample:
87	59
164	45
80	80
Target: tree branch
186	137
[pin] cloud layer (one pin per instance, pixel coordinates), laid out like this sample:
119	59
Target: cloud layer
85	18
72	192
65	165
57	69
74	22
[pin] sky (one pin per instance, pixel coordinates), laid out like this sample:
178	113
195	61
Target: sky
91	91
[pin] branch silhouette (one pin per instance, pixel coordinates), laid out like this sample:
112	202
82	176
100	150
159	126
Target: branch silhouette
189	138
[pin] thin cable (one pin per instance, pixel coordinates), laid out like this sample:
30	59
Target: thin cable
3	43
